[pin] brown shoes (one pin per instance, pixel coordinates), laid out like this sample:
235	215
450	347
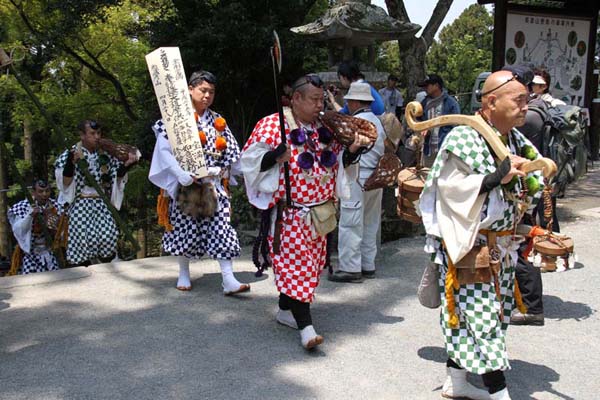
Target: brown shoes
517	318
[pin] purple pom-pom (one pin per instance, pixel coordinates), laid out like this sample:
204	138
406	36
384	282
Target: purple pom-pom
298	136
306	160
325	135
328	158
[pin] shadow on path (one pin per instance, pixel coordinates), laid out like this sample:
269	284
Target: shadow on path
555	307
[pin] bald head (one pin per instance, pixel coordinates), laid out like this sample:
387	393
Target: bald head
504	101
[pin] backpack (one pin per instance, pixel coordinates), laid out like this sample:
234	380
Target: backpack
538	135
567	143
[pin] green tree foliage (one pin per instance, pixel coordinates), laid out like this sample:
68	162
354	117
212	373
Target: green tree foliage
464	49
85	59
232	40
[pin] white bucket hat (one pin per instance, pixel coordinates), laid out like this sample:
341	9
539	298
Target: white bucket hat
359	91
539	80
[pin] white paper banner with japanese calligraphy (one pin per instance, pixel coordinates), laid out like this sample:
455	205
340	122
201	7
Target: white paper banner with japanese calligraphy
558	44
171	88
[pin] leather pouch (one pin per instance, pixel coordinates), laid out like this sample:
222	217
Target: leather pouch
323	217
474	267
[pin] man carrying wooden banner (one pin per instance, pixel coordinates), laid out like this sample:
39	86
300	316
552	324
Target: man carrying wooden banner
192	161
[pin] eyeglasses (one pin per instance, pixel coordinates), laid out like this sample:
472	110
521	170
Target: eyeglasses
40	183
313	79
524	79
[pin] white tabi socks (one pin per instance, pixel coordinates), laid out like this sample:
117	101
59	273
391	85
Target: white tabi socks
183	283
230	284
501	395
309	338
456	386
285	317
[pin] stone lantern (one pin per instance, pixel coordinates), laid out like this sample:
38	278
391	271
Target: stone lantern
349	27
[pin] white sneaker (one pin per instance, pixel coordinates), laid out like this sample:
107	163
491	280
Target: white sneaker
456	386
309	338
285	317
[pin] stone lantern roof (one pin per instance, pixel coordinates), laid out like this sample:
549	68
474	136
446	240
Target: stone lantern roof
356	24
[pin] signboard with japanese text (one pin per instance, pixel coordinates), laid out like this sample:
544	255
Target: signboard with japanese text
558	44
171	88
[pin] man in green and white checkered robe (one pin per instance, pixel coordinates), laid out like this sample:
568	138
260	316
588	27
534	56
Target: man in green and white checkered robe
468	191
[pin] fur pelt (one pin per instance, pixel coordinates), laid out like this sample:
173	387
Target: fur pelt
198	200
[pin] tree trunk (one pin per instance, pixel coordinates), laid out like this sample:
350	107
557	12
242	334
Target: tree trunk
412	52
413	65
141	238
27	140
413	70
4	229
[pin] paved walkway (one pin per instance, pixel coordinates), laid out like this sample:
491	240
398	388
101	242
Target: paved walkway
121	331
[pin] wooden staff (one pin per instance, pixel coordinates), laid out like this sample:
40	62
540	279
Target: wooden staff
415	110
276	60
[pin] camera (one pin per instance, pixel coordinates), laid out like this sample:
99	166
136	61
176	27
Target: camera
333	89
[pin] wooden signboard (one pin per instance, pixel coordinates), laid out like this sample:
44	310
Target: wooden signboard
558	43
171	88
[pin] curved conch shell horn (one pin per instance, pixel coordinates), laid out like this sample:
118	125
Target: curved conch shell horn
415	110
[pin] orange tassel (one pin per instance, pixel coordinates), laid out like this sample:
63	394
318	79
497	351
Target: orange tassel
519	298
225	183
15	261
202	136
220	124
451	285
221	143
162	210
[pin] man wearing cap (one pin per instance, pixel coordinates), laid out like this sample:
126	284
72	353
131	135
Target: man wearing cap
437	102
190	235
23	218
297	251
360	215
469	211
392	98
92	233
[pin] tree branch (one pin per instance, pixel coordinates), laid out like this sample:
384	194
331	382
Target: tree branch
397	10
98	69
437	17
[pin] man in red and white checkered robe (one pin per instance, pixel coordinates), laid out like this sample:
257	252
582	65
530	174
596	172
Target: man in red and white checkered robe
312	154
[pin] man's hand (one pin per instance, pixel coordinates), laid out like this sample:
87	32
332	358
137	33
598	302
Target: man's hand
515	163
131	159
285	157
360	141
77	155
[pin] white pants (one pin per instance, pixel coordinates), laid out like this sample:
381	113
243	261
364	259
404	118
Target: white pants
360	218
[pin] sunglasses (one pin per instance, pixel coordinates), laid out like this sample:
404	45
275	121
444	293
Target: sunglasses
313	79
93	124
40	183
524	79
198	77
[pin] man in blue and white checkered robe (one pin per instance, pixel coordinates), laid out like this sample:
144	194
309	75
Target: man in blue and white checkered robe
191	238
92	230
37	256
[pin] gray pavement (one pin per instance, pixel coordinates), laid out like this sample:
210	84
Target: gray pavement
121	331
